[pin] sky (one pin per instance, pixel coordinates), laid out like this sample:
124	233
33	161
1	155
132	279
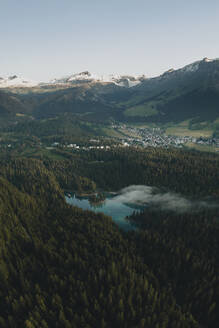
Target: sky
44	39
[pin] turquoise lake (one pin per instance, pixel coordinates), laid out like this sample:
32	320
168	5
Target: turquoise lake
110	206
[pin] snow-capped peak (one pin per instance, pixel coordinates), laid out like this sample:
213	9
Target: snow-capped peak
84	77
14	81
208	60
195	66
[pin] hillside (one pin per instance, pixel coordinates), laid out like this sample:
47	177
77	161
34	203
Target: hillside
10	104
188	94
64	267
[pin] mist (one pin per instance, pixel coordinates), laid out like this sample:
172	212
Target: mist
152	196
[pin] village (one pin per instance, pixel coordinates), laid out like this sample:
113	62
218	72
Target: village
128	136
142	137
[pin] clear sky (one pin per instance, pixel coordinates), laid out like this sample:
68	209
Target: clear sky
43	39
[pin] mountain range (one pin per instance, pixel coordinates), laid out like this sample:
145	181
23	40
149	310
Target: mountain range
126	81
189	93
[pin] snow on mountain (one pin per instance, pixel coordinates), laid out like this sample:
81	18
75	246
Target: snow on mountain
208	60
126	81
191	68
15	81
84	77
186	69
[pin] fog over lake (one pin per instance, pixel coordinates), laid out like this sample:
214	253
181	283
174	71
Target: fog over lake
111	206
136	198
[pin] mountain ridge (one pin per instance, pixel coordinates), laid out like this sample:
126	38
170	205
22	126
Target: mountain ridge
188	93
124	80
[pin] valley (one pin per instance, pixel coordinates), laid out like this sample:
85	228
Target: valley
109	164
109	200
181	103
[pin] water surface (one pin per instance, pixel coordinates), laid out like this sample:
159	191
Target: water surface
111	206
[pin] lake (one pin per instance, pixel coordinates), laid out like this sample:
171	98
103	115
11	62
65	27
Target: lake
112	206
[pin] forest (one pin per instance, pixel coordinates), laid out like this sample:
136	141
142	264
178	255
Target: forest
61	266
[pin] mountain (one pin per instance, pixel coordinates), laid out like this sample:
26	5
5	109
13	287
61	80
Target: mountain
126	81
176	95
189	93
14	82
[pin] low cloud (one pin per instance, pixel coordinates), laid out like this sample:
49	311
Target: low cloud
151	196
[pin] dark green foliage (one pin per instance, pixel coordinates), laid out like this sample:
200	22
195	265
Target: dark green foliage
183	250
10	104
63	125
187	172
64	267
